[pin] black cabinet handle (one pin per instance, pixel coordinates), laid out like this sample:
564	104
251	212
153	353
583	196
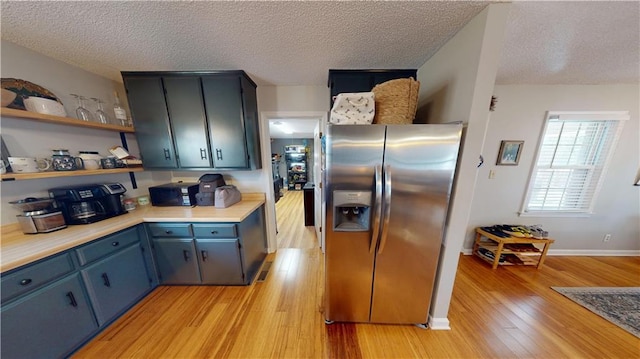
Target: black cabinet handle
203	154
115	244
25	281
168	232
204	255
72	299
219	154
214	232
185	253
167	154
105	279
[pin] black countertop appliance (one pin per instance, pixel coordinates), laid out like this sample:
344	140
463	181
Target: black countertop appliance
83	204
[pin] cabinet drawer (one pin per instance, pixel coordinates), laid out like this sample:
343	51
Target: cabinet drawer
226	230
170	229
35	275
107	245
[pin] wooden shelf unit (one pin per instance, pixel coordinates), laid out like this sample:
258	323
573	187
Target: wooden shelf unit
68	121
51	174
10	112
496	244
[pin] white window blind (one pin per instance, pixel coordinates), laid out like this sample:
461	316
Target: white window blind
572	157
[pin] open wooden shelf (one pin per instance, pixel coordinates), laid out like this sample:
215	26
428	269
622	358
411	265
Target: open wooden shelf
52	174
10	112
494	247
526	261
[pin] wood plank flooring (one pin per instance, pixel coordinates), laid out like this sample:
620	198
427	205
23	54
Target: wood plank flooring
510	312
292	232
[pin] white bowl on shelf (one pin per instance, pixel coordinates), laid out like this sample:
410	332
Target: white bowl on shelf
44	106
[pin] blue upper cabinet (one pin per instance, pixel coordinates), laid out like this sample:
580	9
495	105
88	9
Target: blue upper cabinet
186	110
149	112
195	120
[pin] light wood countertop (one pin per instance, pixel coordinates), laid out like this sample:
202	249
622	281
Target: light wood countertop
17	248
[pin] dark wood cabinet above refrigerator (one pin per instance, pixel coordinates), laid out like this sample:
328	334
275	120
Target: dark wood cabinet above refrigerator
195	120
346	81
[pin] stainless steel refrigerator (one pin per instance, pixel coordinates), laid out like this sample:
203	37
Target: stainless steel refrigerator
387	195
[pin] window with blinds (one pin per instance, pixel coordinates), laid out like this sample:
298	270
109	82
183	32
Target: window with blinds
572	157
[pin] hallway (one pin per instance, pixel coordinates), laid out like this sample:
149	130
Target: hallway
290	217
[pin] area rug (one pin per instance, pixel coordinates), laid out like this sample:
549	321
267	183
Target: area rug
619	305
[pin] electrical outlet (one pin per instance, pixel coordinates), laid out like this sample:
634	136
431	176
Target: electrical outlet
492	174
607	238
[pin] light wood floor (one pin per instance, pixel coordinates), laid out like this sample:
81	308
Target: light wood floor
510	312
292	232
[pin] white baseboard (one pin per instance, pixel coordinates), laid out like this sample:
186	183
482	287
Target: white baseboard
581	252
439	323
593	252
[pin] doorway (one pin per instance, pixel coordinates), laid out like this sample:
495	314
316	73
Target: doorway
295	169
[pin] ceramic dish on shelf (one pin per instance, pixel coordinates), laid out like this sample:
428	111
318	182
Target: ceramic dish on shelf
44	106
7	97
25	89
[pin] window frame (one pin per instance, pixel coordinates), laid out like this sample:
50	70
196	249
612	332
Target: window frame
620	116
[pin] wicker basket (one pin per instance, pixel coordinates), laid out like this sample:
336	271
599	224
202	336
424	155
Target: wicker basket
396	101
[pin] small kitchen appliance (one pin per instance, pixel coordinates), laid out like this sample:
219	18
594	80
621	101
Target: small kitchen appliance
90	203
38	216
174	194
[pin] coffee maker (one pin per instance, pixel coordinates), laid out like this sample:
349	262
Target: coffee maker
90	203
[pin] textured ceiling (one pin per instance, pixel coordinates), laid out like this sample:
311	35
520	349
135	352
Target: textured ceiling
295	43
280	43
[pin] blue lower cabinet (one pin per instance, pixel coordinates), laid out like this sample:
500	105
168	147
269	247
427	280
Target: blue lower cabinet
177	260
116	282
220	261
48	323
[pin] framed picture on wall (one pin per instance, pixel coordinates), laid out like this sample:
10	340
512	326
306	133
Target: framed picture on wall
509	154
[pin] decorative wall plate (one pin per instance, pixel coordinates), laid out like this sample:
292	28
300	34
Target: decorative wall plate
25	89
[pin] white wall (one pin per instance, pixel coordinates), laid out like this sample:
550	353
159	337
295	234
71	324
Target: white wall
58	77
293	98
520	114
456	85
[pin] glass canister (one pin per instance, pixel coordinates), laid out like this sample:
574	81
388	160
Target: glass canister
63	161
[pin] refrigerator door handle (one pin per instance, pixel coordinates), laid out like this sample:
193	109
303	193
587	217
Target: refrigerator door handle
377	209
387	207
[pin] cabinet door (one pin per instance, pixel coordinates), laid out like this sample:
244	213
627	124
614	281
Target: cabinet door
116	282
149	112
223	104
35	275
186	110
177	261
251	124
220	261
49	323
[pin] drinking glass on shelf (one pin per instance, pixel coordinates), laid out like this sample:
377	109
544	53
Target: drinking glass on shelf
82	113
102	116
